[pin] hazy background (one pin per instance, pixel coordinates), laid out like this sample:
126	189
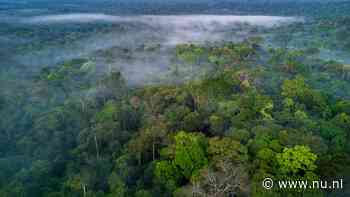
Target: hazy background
45	33
116	33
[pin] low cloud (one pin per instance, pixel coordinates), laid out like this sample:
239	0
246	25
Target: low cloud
175	28
178	21
141	30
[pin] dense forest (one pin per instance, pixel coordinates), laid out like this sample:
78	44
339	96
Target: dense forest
224	116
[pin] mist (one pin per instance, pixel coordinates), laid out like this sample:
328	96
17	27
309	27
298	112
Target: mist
131	33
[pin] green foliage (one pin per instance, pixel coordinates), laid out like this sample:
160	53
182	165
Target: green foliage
253	106
241	135
118	187
298	90
79	132
342	120
227	149
190	153
108	113
296	161
334	135
143	193
192	121
189	52
295	88
342	106
217	124
168	173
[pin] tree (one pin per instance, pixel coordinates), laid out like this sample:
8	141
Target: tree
295	88
342	106
226	174
143	193
227	149
253	106
190	153
189	157
240	135
297	161
342	120
149	140
192	121
168	174
299	91
334	135
217	125
175	115
230	180
117	186
112	86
